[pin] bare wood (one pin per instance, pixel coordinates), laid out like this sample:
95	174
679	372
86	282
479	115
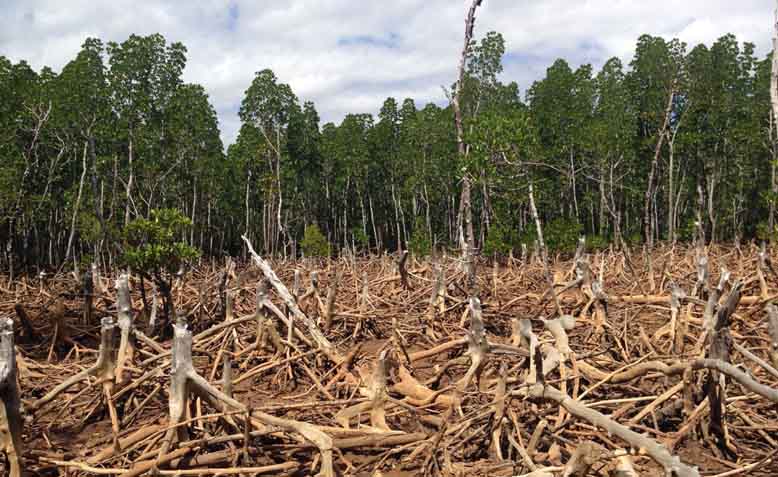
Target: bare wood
88	290
774	70
332	293
105	360
465	213
403	270
126	337
672	464
585	456
125	442
10	416
477	346
185	379
543	252
756	359
325	345
649	236
772	326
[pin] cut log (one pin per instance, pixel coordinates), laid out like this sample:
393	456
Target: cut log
10	416
126	337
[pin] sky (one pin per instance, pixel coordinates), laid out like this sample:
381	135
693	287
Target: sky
348	56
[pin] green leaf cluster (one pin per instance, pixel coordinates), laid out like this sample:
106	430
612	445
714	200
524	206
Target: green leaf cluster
153	246
314	243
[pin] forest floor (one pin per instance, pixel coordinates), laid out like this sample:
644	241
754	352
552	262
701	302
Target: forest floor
411	387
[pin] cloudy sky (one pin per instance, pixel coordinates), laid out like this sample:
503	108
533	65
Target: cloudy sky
348	56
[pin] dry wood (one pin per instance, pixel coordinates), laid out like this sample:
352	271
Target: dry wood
671	464
10	417
185	380
417	416
281	289
772	326
126	337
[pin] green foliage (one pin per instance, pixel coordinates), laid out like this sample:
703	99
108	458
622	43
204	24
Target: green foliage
499	240
420	244
596	242
360	237
686	231
763	232
561	235
585	138
153	247
89	227
314	243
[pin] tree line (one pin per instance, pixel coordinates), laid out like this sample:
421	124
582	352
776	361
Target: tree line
627	154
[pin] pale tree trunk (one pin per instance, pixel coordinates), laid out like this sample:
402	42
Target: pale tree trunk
377	238
648	232
429	221
573	186
247	233
773	158
465	212
670	196
711	209
615	214
76	206
603	202
194	207
774	122
128	190
672	210
280	228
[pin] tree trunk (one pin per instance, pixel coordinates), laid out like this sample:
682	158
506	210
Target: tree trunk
774	122
194	207
246	205
648	233
467	246
76	207
128	190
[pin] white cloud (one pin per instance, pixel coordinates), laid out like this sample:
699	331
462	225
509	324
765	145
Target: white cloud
349	56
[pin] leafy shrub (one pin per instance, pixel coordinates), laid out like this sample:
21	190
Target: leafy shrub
152	249
763	232
314	243
596	242
360	237
560	235
635	238
420	242
498	240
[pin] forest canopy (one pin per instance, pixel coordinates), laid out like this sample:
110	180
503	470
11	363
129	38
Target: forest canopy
629	153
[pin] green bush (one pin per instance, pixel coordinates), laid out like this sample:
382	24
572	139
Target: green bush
152	249
361	239
498	240
314	243
635	238
597	242
560	235
420	242
763	232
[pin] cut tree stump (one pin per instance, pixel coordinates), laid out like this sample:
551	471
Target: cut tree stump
10	416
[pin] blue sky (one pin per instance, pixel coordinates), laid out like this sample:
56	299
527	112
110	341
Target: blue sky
348	56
